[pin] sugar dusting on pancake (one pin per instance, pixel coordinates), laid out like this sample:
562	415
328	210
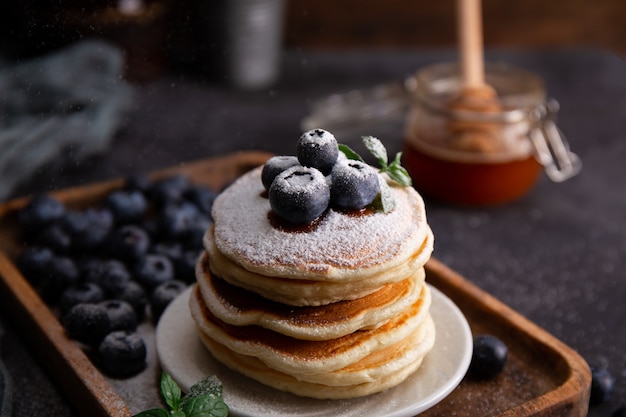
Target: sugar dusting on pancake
340	246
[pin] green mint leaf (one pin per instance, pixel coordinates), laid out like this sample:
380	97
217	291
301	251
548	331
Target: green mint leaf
349	153
387	202
209	385
156	412
207	405
377	149
177	413
170	392
398	173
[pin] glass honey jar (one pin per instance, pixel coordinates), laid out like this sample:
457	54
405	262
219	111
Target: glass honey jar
477	155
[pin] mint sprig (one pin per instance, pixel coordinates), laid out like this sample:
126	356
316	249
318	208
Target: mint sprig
394	170
204	399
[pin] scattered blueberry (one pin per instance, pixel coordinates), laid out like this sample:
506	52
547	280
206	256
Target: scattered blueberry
488	358
163	295
122	354
111	275
274	166
126	206
185	266
54	237
88	323
40	211
354	185
154	270
33	262
129	243
170	190
203	197
177	220
121	315
137	182
299	195
82	292
172	250
88	229
318	148
602	384
62	272
133	294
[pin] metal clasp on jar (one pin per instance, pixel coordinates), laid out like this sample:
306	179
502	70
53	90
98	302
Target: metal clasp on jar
551	146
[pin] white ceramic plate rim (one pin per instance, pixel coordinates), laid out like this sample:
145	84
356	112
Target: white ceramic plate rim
182	355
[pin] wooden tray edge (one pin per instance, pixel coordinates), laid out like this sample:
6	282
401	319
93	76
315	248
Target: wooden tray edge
572	396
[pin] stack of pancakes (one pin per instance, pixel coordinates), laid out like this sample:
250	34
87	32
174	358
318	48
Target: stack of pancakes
337	309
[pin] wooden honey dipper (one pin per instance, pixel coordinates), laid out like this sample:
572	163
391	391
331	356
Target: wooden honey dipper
475	95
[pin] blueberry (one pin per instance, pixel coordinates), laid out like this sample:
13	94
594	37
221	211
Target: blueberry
88	323
274	166
203	198
82	292
40	211
121	315
62	272
154	270
185	266
318	148
33	263
488	358
299	195
88	229
602	385
163	295
195	235
54	237
354	185
111	275
135	295
170	190
126	206
137	182
122	354
172	250
129	243
177	221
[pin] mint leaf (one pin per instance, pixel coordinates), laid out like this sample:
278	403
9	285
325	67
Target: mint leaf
207	405
387	202
398	173
156	412
208	386
349	153
377	149
170	392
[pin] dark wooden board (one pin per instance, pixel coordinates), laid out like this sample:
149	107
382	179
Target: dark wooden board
543	377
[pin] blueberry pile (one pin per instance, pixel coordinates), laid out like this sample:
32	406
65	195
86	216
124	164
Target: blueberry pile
105	269
302	187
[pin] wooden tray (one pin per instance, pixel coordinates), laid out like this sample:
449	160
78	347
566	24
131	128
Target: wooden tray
543	377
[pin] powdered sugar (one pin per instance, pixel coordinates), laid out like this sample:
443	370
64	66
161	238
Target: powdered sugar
339	246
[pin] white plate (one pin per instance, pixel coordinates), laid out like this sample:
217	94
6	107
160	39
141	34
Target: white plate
184	357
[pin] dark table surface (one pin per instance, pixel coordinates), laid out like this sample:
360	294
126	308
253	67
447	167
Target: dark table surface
557	256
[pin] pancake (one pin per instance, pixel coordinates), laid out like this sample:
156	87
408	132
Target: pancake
302	292
339	247
302	357
335	308
239	307
380	376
